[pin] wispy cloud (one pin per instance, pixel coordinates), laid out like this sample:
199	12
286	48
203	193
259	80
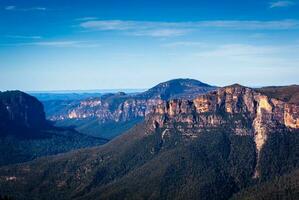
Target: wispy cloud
238	51
10	8
184	44
107	25
251	25
66	43
279	4
86	18
162	32
282	55
58	44
166	29
24	36
137	28
15	8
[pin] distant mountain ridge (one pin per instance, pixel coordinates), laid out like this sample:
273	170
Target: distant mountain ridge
121	109
218	145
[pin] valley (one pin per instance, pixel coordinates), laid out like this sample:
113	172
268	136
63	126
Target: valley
223	144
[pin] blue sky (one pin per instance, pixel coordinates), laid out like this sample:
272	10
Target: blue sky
106	44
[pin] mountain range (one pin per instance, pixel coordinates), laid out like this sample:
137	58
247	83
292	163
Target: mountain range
231	142
110	114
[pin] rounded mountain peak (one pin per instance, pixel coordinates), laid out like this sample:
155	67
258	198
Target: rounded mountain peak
177	88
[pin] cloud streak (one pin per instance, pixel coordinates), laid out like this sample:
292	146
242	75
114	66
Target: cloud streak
15	8
58	44
66	43
280	4
184	44
162	32
86	18
282	55
166	29
24	36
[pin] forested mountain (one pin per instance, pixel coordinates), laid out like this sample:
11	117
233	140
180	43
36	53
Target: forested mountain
234	142
285	93
26	134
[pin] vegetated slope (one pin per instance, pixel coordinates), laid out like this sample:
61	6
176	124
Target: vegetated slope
96	116
286	93
25	133
209	148
280	187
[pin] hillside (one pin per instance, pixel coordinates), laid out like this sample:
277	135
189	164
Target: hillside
285	93
211	147
26	134
281	187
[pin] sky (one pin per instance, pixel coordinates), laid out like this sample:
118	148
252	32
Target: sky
109	44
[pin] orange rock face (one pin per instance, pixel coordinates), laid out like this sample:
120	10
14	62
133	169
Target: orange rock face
291	116
242	110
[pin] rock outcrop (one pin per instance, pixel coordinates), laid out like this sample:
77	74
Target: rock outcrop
25	134
21	110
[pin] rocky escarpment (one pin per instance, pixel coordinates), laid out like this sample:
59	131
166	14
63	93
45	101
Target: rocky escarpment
21	110
123	107
237	109
101	109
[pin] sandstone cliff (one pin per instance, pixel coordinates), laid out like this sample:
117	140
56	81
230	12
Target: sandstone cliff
238	109
121	107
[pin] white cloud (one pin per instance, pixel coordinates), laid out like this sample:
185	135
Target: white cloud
10	8
138	28
237	51
24	36
184	43
58	43
255	55
251	25
166	29
279	4
162	32
15	8
109	25
66	43
86	18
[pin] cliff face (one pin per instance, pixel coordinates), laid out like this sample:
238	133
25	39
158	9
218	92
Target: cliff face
101	109
21	110
237	109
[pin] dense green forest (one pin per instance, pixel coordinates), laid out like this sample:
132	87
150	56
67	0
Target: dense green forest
215	165
16	150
